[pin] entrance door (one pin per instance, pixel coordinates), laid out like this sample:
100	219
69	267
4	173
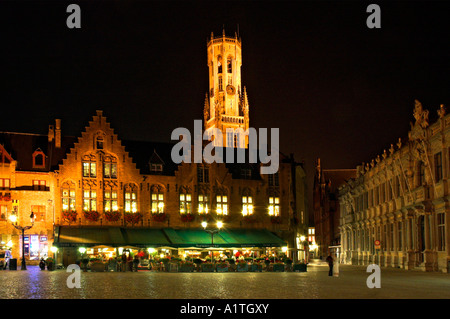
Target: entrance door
69	256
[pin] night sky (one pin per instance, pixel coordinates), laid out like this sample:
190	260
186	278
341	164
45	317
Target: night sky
336	89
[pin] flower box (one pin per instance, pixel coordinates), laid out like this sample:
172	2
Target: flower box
133	218
222	267
112	216
187	218
300	268
255	268
207	267
242	267
159	217
277	267
91	215
275	219
249	218
70	215
186	267
97	266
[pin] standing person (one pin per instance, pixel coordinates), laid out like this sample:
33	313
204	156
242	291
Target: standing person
124	261
330	263
135	263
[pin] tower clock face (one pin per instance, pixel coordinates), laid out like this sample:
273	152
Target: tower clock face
230	89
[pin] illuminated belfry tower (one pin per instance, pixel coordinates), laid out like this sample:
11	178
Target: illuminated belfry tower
226	103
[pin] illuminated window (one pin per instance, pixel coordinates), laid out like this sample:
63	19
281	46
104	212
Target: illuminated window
89	200
222	205
39	213
157	200
110	167
247	205
274	206
203	204
4	183
185	203
68	197
38	185
130	199
90	169
110	201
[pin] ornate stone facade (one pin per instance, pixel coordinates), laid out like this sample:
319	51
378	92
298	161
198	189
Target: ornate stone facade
401	200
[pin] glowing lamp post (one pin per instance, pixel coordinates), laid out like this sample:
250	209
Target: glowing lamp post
212	232
13	219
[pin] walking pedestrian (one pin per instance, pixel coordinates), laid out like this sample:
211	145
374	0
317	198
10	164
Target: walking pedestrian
330	264
135	263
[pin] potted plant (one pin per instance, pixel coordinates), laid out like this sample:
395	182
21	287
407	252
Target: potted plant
300	267
278	267
288	262
112	216
50	263
249	218
198	262
186	266
97	265
85	262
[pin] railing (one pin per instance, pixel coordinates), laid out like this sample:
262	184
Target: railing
233	119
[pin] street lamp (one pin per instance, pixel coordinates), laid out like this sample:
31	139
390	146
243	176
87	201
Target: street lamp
212	232
13	219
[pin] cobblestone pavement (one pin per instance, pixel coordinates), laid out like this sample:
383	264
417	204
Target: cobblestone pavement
351	284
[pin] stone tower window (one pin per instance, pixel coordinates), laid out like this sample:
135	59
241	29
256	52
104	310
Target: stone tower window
229	66
219	68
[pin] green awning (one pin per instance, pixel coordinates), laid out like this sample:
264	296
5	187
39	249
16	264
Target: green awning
88	236
145	237
183	238
251	238
66	236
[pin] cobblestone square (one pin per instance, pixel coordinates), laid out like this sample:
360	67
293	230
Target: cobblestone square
314	284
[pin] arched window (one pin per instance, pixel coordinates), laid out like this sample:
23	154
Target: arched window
185	201
219	67
89	199
110	203
247	203
229	66
89	166
221	202
110	167
99	142
130	194
157	199
68	196
38	159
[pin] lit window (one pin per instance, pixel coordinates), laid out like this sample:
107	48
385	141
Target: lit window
89	169
39	212
3	212
222	205
4	183
68	197
274	206
185	203
247	205
110	201
39	184
130	199
89	200
157	199
203	205
110	167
